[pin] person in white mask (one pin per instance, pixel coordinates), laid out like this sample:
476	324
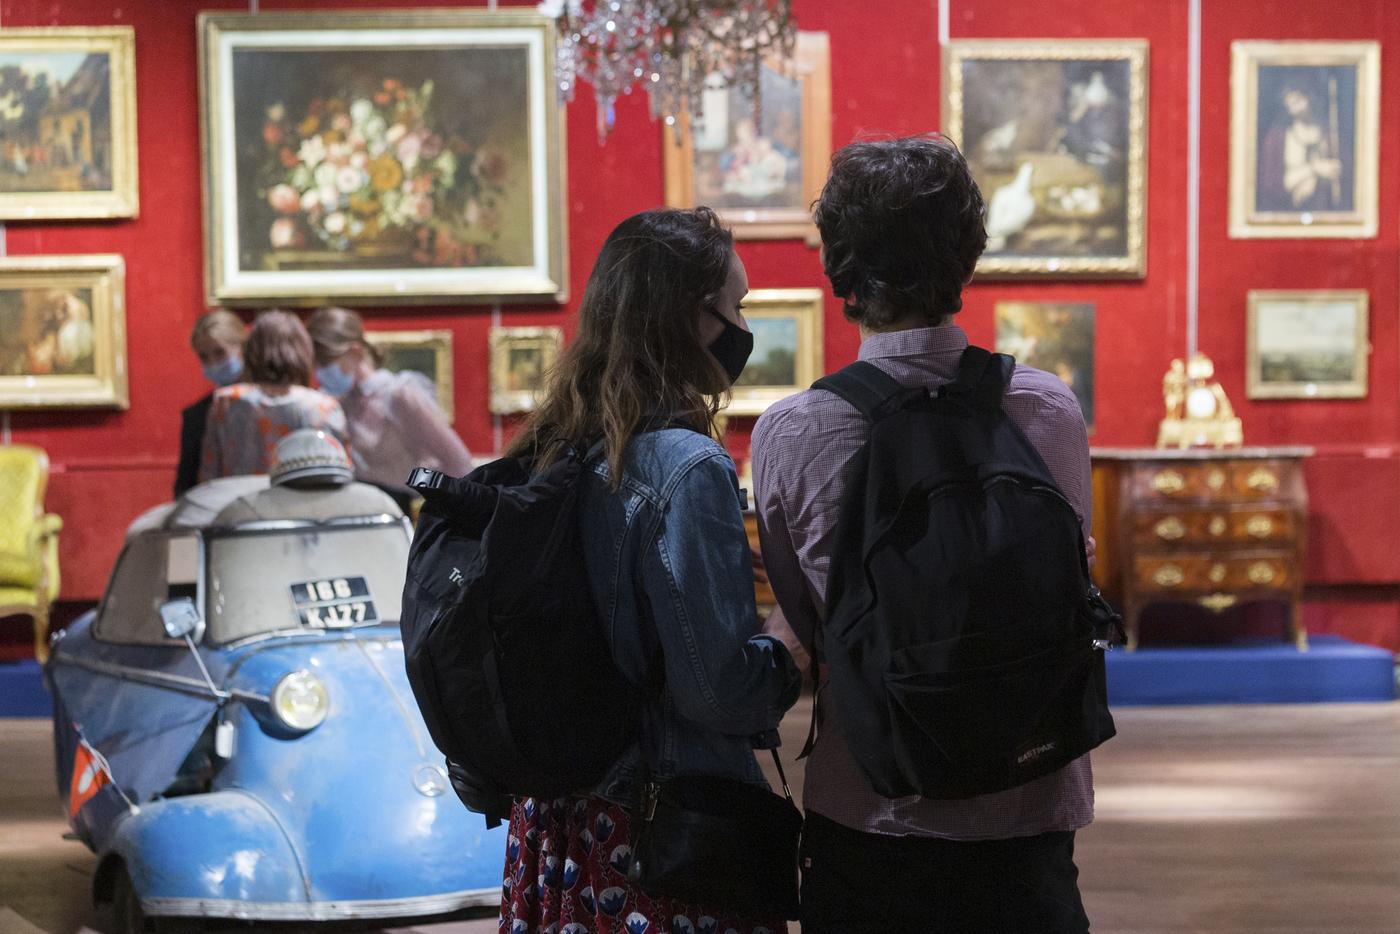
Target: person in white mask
395	423
217	340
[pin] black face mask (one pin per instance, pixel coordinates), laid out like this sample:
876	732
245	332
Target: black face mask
732	348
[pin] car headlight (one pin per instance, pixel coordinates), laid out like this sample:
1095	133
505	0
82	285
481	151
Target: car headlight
300	701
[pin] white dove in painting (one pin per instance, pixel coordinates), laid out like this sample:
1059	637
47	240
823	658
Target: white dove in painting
1011	209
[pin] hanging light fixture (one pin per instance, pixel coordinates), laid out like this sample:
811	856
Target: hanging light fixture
673	48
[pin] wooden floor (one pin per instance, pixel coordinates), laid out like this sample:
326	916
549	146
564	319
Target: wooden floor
1210	819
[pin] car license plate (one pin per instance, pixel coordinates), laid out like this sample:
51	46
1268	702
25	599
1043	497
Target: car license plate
334	603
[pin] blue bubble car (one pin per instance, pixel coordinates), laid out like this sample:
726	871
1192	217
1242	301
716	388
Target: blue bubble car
234	730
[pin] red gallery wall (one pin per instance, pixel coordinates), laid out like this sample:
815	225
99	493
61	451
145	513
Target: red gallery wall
885	79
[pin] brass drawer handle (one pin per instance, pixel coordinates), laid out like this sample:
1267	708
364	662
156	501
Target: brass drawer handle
1259	526
1218	526
1261	573
1216	479
1169	575
1217	573
1168	482
1170	529
1219	602
1262	480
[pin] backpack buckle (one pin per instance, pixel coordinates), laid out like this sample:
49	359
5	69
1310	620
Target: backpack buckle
425	478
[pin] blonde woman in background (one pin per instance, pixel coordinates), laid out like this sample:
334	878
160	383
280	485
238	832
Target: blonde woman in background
395	422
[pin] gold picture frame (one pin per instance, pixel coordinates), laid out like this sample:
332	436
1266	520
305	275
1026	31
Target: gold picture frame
432	174
67	156
1320	108
788	354
1055	132
758	206
425	352
521	358
63	332
1307	344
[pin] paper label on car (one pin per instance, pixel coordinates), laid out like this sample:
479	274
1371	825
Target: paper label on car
334	603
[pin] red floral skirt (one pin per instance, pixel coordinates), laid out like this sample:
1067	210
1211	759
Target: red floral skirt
566	873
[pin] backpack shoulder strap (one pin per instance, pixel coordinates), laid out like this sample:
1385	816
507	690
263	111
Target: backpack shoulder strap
867	387
983	377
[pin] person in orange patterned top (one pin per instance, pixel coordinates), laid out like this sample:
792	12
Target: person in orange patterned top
246	420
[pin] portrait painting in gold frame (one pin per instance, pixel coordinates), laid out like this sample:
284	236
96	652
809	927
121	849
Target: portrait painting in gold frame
759	169
521	359
386	157
1055	132
63	332
1304	139
788	353
1307	344
428	353
68	123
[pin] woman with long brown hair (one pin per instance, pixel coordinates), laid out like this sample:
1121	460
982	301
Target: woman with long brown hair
661	338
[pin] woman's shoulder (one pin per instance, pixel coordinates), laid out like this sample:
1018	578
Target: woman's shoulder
663	459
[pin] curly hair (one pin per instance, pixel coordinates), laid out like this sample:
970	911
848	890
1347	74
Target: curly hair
901	222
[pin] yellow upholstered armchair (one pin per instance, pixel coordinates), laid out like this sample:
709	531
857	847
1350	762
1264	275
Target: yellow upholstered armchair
28	540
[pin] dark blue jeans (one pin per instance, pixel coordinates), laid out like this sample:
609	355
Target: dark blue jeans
854	882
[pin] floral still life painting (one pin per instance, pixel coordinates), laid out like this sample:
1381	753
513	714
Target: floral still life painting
411	170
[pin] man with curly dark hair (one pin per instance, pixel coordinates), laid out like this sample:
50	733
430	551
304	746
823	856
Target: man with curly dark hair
902	226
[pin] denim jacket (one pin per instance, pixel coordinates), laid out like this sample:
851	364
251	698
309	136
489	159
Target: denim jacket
672	576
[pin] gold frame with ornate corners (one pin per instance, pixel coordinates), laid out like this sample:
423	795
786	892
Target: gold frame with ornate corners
1355	388
1132	263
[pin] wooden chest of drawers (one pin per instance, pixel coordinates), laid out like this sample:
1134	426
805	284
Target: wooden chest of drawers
1214	528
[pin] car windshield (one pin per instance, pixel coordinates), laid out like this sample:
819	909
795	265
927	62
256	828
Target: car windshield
315	578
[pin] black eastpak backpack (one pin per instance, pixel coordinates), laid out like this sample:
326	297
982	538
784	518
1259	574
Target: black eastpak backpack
502	641
961	622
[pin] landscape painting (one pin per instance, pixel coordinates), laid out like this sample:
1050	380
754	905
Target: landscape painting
787	348
1307	345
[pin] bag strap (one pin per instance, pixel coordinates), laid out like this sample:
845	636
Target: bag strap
867	387
982	377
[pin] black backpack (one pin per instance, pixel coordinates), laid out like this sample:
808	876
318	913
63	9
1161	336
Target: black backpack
504	649
961	622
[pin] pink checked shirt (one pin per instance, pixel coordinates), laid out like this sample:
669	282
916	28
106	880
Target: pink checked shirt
801	447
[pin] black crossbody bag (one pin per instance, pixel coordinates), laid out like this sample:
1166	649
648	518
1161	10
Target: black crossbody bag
716	841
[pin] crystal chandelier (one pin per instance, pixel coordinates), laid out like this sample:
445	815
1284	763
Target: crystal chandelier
673	48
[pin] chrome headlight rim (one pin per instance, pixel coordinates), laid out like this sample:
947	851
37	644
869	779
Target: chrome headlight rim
288	698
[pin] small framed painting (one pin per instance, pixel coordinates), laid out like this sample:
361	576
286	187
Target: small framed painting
760	169
68	123
1304	139
1055	132
787	348
520	361
62	332
1055	337
1307	345
426	352
381	157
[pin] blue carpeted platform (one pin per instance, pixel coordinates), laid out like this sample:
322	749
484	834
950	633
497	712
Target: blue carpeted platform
22	691
1252	672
